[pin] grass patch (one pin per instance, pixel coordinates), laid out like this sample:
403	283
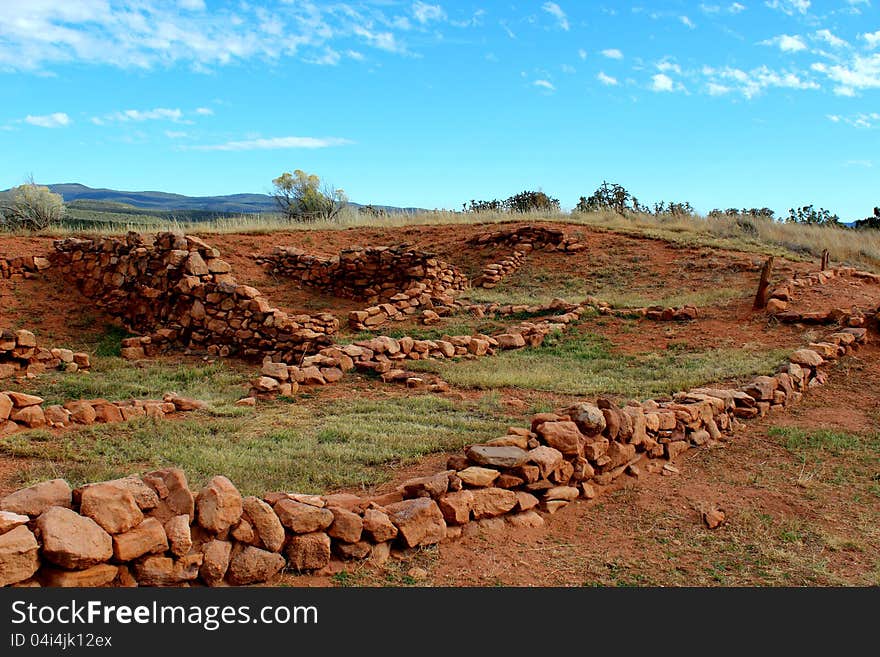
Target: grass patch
110	342
583	363
837	443
834	458
115	379
698	298
533	286
311	446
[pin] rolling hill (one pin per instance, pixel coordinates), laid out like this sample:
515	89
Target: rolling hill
166	202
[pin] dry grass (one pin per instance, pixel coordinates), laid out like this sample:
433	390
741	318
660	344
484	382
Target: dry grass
740	233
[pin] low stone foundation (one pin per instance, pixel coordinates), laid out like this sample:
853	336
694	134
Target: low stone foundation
23	267
530	237
784	293
21	357
19	411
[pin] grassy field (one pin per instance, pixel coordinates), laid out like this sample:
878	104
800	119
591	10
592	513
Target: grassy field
583	363
313	444
530	285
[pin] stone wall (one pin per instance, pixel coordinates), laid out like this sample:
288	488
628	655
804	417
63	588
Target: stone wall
19	411
178	291
21	357
530	237
397	281
24	267
495	272
783	294
386	356
373	274
152	530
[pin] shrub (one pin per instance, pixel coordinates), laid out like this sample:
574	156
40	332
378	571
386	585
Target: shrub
31	207
611	197
809	215
527	201
869	222
674	209
302	197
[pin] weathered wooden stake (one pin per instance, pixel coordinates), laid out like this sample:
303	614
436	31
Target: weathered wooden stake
824	259
764	285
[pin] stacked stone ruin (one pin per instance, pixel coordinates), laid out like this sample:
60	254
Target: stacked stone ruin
20	411
495	272
22	267
179	291
387	356
783	294
529	237
20	356
523	241
152	530
396	281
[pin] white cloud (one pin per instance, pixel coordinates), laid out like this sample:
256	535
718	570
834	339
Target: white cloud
204	111
175	134
556	11
425	13
145	34
786	43
734	8
752	83
666	66
355	55
158	114
381	40
607	79
716	89
662	82
54	120
274	143
612	53
860	120
544	84
582	54
566	68
790	7
830	38
687	22
872	38
329	57
860	73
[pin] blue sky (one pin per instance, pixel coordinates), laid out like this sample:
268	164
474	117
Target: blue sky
428	104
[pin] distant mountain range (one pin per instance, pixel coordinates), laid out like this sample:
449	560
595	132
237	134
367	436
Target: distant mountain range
165	202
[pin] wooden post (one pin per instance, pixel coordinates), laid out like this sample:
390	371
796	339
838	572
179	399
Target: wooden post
764	285
824	259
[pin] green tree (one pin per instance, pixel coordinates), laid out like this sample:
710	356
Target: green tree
531	201
31	207
809	215
611	197
870	222
303	197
